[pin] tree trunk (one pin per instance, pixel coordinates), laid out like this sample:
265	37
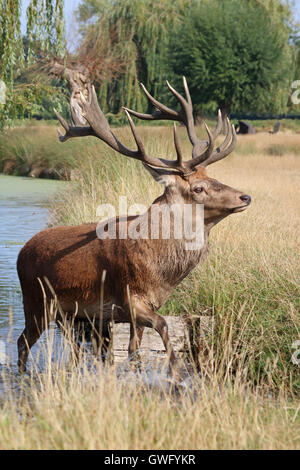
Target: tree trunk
79	81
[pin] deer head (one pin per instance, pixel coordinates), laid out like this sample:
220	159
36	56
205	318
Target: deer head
184	181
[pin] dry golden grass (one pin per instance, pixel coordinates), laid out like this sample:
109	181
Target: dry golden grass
91	407
109	414
248	396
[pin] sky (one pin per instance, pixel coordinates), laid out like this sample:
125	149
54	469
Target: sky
297	10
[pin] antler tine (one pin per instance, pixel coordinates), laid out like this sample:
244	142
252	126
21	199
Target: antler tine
178	149
153	161
219	125
187	91
217	130
167	112
198	161
228	136
162	112
71	131
187	118
223	151
137	138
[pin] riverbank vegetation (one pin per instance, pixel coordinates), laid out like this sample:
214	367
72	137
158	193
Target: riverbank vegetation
33	149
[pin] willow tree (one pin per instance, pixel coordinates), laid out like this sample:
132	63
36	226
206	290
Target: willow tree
45	34
45	25
137	32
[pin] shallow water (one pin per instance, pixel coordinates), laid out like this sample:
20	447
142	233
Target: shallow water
23	213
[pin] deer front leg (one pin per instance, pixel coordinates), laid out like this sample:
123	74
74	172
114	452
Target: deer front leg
136	335
147	317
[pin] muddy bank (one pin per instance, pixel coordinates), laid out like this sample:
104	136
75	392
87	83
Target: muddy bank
37	170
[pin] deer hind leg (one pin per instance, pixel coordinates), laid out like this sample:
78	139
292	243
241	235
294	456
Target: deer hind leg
101	338
34	327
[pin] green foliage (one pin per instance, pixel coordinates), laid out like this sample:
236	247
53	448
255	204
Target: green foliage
45	21
138	31
11	48
235	54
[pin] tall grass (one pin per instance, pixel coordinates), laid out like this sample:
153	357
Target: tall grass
250	279
97	410
90	406
31	146
247	396
35	144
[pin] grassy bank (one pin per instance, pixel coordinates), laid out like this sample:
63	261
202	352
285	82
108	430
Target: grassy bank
249	394
33	149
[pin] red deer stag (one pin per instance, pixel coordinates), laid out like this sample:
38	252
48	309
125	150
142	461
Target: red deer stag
140	273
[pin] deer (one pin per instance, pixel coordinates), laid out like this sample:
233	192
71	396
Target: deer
140	274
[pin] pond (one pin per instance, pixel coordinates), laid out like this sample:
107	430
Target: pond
23	213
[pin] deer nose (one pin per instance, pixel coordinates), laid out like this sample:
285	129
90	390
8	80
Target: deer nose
246	198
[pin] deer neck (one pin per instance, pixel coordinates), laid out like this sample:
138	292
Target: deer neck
177	256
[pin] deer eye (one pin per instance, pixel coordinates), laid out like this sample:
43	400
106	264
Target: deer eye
198	189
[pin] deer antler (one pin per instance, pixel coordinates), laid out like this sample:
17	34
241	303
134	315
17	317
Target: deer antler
203	151
185	116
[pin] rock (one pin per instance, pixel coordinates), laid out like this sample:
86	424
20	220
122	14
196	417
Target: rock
188	335
245	127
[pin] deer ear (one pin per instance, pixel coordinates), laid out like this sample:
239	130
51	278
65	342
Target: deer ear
165	177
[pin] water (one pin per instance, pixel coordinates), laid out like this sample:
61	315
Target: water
23	213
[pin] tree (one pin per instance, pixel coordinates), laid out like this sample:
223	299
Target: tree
137	32
45	35
235	54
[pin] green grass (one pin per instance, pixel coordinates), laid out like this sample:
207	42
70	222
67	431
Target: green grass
285	124
281	150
